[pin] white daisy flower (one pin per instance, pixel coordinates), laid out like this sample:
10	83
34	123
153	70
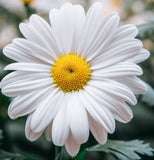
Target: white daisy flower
74	76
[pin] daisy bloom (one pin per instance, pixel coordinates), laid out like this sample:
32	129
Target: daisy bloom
75	75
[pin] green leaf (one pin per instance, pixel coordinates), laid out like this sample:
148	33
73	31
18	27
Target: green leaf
9	156
124	150
80	156
148	97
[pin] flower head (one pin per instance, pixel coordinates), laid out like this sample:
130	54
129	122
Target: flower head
74	76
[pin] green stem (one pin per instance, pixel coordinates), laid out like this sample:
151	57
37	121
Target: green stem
29	10
57	153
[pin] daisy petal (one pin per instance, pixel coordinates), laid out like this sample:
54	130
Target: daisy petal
29	103
40	33
48	132
102	38
46	110
96	11
80	20
30	135
72	19
102	116
15	53
119	108
115	88
122	69
29	50
117	52
53	16
78	119
60	127
17	77
124	31
142	55
97	130
134	83
72	146
25	87
30	67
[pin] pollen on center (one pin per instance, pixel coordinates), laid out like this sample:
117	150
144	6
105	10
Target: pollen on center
71	72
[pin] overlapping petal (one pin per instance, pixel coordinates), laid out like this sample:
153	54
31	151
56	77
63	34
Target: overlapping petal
104	35
46	110
15	89
30	135
23	50
67	24
29	103
78	119
134	83
72	146
117	52
115	89
118	107
29	67
42	35
93	17
60	127
101	115
121	69
97	130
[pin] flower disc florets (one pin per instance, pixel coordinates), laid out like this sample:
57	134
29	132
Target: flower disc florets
71	72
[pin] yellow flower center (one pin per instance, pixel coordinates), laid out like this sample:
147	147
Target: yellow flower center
116	3
71	72
27	1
